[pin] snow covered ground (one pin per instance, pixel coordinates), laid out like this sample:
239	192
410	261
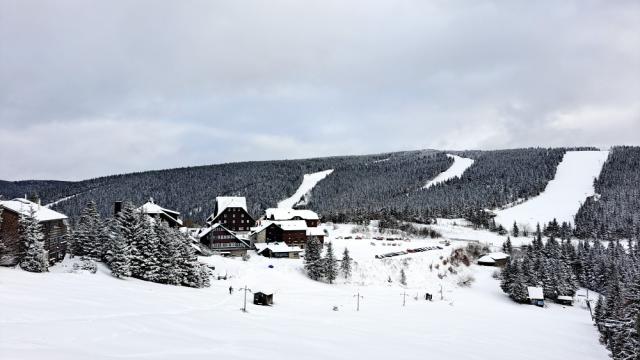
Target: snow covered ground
308	182
62	315
460	165
563	195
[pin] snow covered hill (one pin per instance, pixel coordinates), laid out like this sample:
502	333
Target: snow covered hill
63	315
563	195
308	182
460	165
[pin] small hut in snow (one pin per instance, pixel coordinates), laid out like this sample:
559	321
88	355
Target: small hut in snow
494	259
536	295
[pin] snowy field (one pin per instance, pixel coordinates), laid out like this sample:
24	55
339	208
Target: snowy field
460	165
62	315
563	195
308	182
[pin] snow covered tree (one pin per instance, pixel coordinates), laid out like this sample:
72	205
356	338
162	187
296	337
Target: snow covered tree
313	260
330	264
507	248
345	264
89	235
515	231
35	256
403	277
118	254
145	262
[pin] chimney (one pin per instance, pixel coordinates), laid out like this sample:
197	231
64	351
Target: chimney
117	207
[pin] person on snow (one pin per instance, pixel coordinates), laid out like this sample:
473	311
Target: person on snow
230	290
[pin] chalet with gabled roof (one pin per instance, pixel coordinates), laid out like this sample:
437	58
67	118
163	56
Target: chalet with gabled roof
54	228
231	212
223	241
292	233
155	211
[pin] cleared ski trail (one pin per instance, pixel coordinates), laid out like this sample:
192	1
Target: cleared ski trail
309	181
460	165
563	195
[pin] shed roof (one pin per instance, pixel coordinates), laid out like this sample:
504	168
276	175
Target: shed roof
24	207
277	247
535	293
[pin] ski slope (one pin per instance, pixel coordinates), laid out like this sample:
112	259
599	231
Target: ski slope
563	195
459	166
62	315
308	182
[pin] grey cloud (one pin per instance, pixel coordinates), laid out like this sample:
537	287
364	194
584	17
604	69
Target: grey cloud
244	80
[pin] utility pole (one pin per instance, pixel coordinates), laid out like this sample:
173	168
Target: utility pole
244	308
404	298
358	301
441	294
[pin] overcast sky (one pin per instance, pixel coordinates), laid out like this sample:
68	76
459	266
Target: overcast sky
91	88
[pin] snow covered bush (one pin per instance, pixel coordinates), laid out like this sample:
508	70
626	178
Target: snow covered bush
466	280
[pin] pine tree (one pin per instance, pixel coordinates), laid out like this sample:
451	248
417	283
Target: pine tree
515	231
35	257
345	264
313	260
598	311
330	265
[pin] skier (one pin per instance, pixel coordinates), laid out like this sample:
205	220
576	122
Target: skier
230	290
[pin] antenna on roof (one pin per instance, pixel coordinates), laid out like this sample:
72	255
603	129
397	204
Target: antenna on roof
151	200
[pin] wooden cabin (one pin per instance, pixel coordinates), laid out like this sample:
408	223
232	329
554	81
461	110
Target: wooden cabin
498	259
315	233
223	241
536	295
565	300
292	233
231	212
278	250
155	211
261	298
310	217
54	228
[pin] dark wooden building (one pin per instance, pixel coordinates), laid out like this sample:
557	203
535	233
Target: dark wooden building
223	241
54	228
292	233
278	250
171	217
232	213
261	298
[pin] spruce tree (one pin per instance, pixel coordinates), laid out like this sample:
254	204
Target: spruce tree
313	260
330	264
35	256
345	264
119	255
515	231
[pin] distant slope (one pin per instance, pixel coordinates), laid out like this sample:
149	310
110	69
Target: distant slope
614	213
460	165
563	196
308	182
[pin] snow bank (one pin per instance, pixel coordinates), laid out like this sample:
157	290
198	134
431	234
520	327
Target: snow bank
563	195
460	165
308	182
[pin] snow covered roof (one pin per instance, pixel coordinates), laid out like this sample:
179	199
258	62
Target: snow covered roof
288	214
277	247
205	231
564	297
224	202
314	231
290	225
24	206
486	259
535	293
152	208
493	257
